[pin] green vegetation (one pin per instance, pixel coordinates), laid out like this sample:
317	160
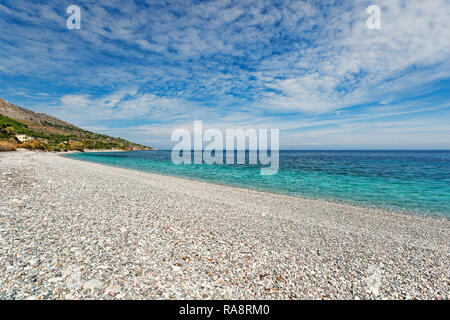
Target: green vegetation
34	145
71	138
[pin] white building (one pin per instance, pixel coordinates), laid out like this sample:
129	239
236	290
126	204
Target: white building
23	137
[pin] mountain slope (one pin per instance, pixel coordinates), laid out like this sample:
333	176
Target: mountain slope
53	134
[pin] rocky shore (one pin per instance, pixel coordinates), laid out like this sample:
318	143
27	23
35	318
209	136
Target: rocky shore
78	230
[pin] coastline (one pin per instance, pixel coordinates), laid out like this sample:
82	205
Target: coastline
192	239
71	151
106	150
346	201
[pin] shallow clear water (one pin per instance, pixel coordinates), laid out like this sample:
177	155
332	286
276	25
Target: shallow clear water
415	181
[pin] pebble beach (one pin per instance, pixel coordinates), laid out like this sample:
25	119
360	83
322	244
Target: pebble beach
78	230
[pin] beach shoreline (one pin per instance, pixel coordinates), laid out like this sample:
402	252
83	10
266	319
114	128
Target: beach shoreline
133	234
269	193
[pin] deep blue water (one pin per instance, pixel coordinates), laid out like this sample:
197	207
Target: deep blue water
414	181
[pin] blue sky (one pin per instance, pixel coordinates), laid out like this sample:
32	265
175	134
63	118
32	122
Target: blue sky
140	69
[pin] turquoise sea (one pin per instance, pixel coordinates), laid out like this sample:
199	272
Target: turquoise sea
413	181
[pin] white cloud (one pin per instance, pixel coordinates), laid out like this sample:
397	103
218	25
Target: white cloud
77	101
350	62
125	104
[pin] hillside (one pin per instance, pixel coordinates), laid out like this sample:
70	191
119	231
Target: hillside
24	128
